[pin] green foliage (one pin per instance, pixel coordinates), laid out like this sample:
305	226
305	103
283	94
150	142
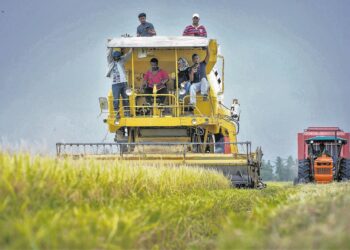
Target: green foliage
282	170
304	217
63	204
267	171
85	204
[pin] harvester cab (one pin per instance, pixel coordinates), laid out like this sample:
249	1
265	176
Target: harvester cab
172	130
324	163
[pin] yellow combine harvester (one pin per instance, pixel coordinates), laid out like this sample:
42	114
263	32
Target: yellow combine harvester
171	132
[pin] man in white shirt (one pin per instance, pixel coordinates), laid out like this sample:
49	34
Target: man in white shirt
116	71
235	110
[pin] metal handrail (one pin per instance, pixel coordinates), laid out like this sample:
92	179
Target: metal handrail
175	106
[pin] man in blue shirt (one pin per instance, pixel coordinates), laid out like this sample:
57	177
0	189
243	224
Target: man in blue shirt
145	28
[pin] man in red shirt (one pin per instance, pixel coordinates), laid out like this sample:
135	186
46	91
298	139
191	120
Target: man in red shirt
195	29
158	77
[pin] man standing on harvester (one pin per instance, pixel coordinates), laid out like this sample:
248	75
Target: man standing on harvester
195	29
116	71
145	28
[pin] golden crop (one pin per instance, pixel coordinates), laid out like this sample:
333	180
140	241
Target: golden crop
64	204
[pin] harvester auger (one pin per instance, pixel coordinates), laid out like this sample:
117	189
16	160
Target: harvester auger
172	132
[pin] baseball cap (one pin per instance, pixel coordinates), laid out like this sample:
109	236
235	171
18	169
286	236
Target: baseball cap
195	15
116	53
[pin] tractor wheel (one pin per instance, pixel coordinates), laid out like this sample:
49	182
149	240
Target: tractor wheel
304	173
344	171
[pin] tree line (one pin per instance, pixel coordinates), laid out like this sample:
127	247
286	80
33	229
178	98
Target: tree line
280	169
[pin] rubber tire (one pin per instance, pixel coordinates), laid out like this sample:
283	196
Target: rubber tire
344	172
304	171
295	181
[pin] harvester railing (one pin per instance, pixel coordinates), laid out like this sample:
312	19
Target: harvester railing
150	108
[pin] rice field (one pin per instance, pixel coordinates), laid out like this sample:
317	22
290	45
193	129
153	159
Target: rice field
63	204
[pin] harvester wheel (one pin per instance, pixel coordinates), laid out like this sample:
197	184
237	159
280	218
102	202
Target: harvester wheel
344	171
295	181
304	172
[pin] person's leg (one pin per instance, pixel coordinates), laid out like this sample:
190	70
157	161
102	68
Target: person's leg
125	97
195	87
116	94
162	91
187	87
204	86
149	98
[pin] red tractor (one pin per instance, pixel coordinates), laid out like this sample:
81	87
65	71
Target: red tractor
323	155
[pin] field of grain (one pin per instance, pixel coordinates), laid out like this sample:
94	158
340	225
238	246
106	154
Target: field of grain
62	204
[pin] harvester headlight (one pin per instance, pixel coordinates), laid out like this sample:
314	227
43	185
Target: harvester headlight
116	122
128	91
182	91
194	121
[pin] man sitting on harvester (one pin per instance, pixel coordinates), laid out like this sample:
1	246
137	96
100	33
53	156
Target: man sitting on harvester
155	77
198	78
183	77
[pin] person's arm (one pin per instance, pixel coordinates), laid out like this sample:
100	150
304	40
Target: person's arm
188	72
109	70
137	32
145	80
187	31
206	60
165	77
191	74
109	61
127	55
204	32
151	30
109	55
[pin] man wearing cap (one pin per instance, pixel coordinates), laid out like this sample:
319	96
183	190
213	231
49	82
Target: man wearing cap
145	28
116	71
195	29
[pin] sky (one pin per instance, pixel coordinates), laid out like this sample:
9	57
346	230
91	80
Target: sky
286	61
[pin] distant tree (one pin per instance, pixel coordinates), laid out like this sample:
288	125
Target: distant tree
281	172
291	169
267	171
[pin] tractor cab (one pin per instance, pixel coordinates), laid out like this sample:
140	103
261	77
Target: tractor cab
324	158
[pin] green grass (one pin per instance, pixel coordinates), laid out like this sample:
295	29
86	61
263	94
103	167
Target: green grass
63	204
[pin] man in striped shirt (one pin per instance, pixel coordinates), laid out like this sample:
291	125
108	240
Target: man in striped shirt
195	29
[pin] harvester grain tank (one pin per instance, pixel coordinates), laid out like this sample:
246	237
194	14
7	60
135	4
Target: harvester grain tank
172	132
323	155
